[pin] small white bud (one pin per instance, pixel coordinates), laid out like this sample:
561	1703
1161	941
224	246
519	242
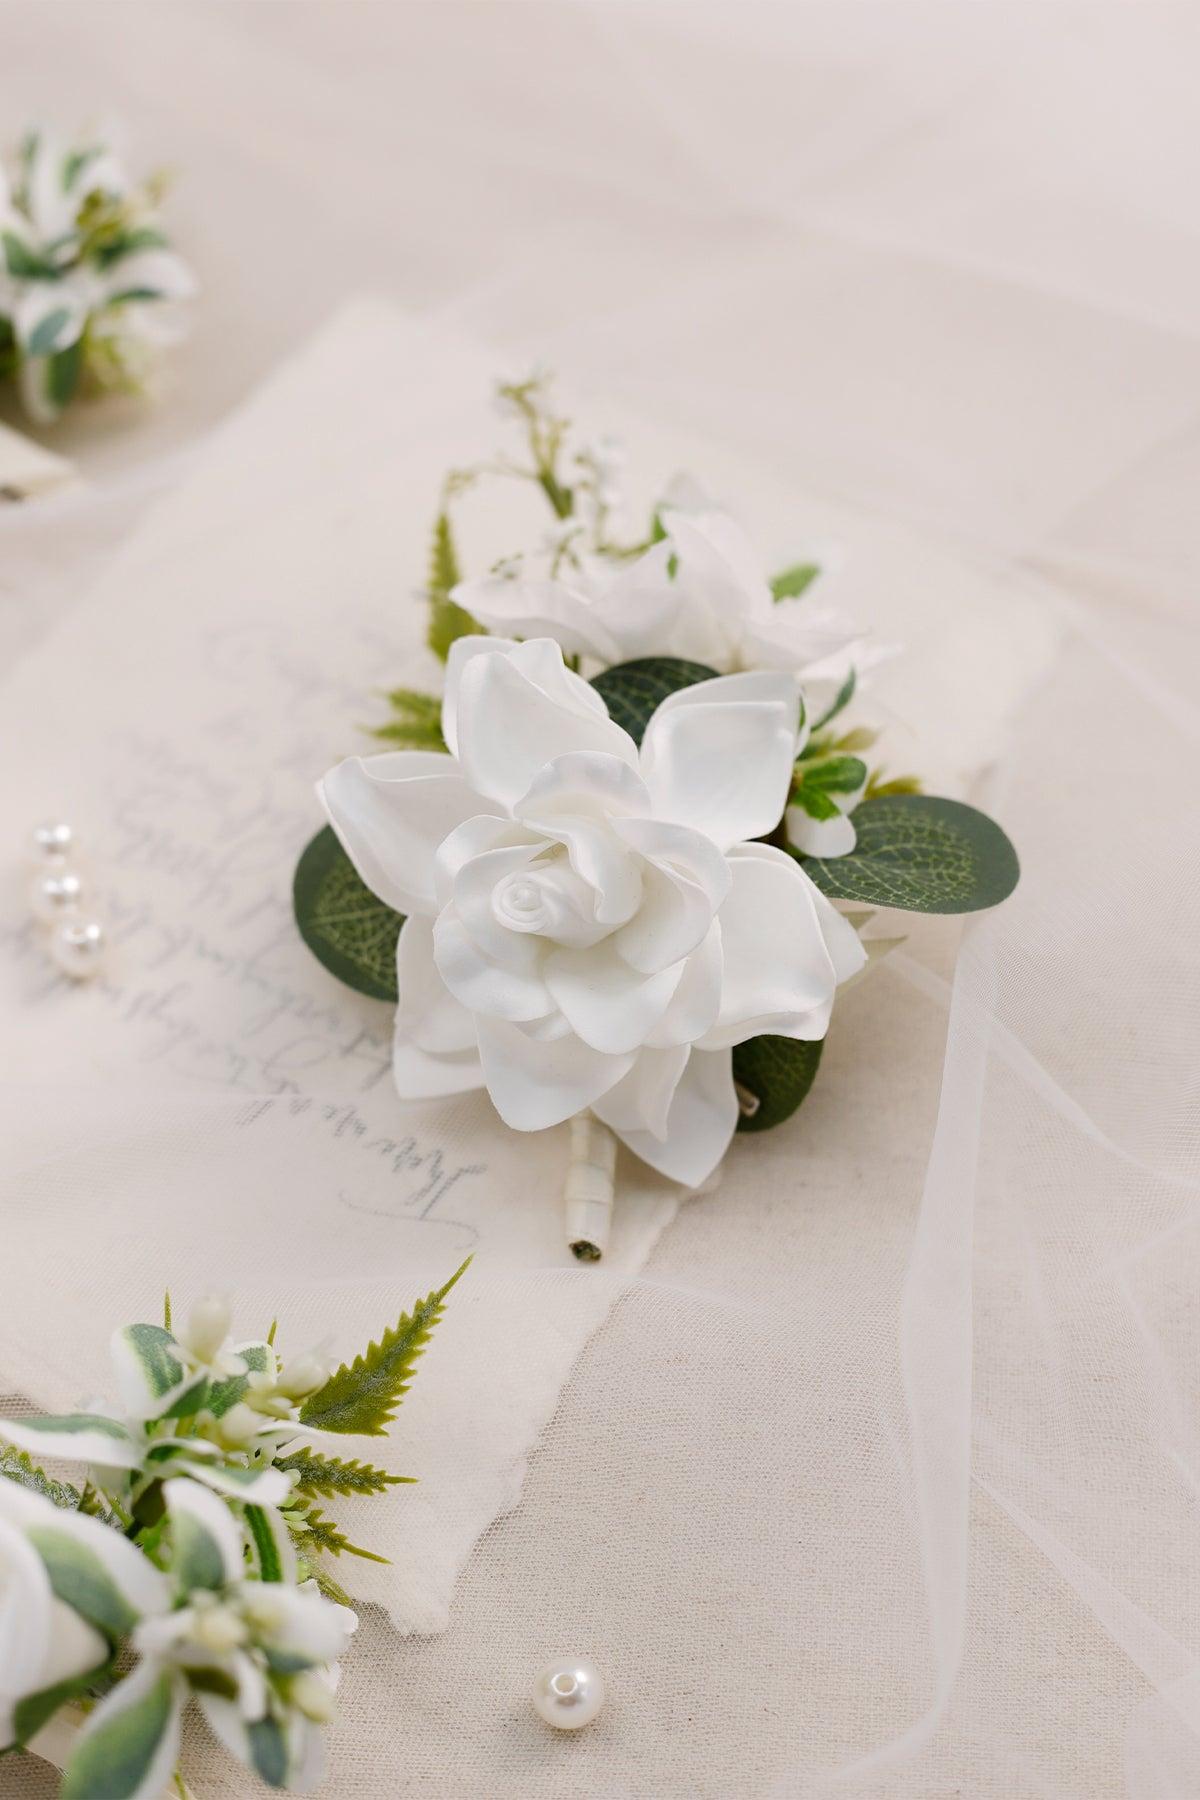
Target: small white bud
238	1425
219	1629
207	1329
309	1695
303	1376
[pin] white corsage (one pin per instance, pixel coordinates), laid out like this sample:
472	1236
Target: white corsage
89	286
191	1562
600	875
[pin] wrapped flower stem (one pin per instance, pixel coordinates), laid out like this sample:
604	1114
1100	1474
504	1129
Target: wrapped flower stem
588	1193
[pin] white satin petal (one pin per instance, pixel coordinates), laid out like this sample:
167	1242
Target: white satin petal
696	1002
700	1122
609	1005
518	710
819	837
486	987
533	608
716	557
536	1082
423	1075
462	650
573	801
779	975
428	1015
641	1101
641	608
846	949
719	756
673	918
470	839
391	812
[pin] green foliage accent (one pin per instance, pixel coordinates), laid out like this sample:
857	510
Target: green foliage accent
447	620
196	1560
778	1072
167	1310
47	331
417	721
344	924
317	1536
878	788
839	702
18	1466
81	1579
266	1550
331	1589
268	1750
62	374
791	583
125	243
362	1397
921	854
32	1712
23	263
213	1681
633	691
116	1757
224	1394
329	1475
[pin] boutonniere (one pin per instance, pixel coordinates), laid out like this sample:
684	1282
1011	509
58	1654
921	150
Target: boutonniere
191	1562
617	871
89	284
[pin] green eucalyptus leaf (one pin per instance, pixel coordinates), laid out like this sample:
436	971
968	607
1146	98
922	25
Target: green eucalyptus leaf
775	1072
921	854
632	691
344	924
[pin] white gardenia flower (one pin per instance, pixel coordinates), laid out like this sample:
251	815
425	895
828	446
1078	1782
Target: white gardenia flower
700	594
589	925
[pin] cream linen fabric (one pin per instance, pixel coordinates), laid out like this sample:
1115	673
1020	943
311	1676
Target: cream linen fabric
886	1472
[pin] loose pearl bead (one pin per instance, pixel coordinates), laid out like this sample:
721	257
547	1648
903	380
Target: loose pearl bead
569	1694
52	839
55	892
78	948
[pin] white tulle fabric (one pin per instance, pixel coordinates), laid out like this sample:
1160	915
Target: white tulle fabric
589	925
882	1481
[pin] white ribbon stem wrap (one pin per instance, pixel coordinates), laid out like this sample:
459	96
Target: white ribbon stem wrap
589	1187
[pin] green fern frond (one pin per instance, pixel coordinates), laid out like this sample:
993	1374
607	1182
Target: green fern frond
447	620
330	1475
167	1310
319	1536
362	1397
331	1589
417	721
19	1467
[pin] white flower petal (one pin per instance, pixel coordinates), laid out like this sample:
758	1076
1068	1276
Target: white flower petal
697	1000
700	1121
819	837
534	608
500	990
429	1075
717	559
536	1082
685	878
26	1616
428	1014
155	273
610	1005
846	949
644	610
779	974
641	1102
517	710
391	812
718	756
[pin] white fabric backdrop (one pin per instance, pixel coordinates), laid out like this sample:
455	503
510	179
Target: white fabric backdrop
890	1467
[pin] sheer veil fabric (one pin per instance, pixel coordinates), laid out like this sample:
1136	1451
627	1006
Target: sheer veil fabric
881	1477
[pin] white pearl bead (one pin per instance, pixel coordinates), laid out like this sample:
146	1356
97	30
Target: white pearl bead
569	1693
77	946
55	892
52	839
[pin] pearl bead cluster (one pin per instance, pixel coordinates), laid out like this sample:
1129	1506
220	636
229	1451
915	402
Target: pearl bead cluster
76	942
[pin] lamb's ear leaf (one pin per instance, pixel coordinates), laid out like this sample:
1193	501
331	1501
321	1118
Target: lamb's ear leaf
773	1075
632	691
921	854
35	1710
345	925
128	1747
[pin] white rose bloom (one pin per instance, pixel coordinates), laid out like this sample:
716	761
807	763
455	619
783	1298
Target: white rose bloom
700	594
588	925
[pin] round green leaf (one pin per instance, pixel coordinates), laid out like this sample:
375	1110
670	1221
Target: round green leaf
344	924
921	854
777	1072
633	690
